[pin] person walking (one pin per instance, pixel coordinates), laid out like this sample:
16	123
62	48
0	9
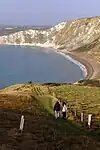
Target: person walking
57	109
64	110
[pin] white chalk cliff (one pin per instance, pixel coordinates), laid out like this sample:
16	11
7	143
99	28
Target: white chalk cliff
67	35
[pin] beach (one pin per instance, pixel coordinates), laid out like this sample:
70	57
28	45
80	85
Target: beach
77	62
92	67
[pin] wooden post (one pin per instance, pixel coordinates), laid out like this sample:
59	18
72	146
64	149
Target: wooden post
82	117
21	124
53	94
49	90
75	112
89	120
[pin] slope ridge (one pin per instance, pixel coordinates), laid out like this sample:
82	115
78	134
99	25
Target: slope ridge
69	35
41	129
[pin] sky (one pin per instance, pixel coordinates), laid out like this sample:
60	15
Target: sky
46	12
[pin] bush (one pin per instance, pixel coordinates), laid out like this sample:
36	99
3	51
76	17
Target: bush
95	83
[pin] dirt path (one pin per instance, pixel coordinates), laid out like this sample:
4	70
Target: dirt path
48	102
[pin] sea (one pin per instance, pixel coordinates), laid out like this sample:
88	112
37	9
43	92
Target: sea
22	64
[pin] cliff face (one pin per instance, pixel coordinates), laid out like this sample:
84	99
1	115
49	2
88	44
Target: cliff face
82	33
33	37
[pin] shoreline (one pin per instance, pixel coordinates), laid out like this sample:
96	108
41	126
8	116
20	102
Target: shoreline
77	62
90	68
57	50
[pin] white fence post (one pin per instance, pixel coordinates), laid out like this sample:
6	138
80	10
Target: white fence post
22	124
53	94
89	120
75	112
82	117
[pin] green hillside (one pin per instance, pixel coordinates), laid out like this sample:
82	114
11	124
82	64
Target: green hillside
41	130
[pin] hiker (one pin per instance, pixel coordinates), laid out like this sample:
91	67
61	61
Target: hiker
57	109
64	110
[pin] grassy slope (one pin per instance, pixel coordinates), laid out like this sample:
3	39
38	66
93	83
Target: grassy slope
41	129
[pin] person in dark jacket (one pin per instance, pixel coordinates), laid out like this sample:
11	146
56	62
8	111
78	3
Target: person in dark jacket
57	109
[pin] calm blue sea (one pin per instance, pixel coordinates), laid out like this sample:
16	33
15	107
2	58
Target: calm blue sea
39	65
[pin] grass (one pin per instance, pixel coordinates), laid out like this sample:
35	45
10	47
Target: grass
83	49
85	99
87	47
41	130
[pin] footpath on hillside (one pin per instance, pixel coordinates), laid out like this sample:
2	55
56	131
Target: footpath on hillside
41	129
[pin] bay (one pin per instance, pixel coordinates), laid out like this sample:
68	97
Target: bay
39	65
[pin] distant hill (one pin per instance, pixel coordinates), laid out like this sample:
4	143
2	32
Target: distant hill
69	35
8	29
81	35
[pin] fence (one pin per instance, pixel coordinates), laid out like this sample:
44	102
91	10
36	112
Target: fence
86	119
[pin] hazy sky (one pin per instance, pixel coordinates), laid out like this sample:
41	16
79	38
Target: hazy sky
45	12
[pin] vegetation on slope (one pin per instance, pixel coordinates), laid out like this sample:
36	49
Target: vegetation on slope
41	130
92	46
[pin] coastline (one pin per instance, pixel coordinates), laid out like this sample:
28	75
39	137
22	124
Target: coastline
90	68
77	62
